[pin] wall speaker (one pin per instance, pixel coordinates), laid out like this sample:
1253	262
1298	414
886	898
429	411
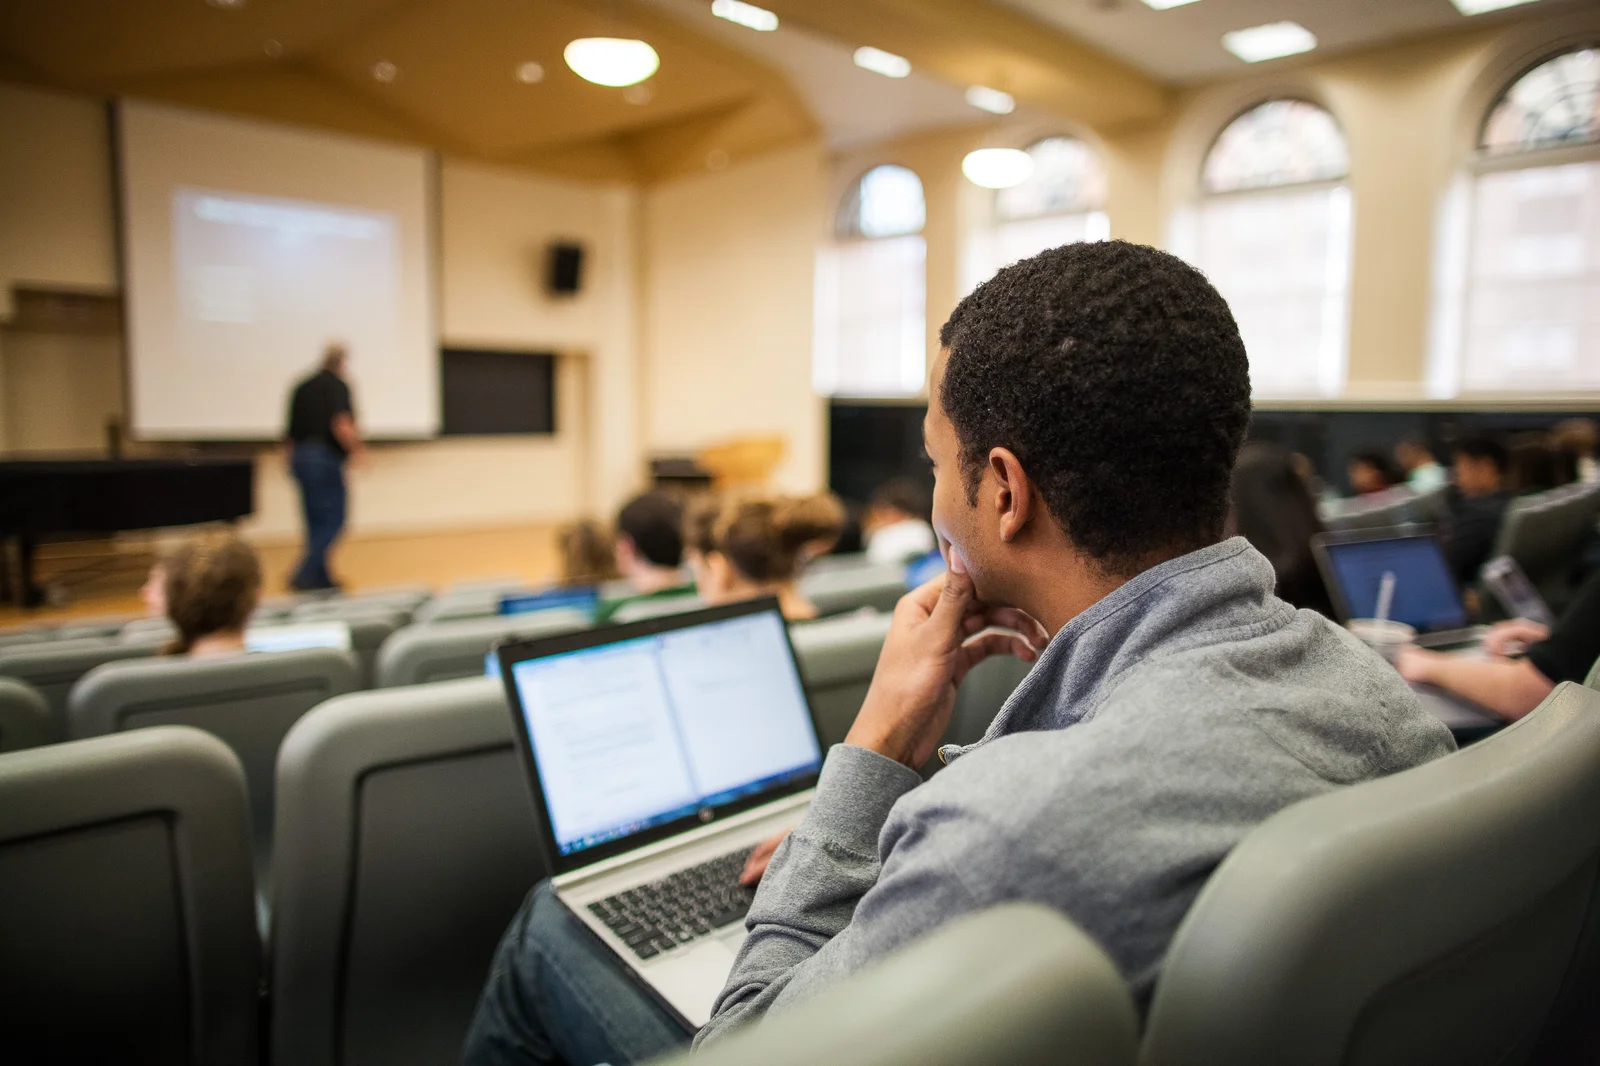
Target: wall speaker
564	268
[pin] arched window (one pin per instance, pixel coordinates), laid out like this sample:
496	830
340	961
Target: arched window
1272	232
871	291
1062	202
1518	281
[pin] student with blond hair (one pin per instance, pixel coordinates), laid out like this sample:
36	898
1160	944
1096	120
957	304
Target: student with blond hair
743	546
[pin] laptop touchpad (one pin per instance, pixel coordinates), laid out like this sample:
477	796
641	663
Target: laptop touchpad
691	981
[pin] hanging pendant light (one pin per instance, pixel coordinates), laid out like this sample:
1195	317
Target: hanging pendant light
614	61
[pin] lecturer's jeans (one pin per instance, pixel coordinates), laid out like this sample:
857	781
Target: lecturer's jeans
554	995
320	471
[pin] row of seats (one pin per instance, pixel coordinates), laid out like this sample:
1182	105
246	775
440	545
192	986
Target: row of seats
390	648
1448	914
253	702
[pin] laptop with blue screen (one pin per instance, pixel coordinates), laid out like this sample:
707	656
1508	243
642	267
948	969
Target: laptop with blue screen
1425	596
659	753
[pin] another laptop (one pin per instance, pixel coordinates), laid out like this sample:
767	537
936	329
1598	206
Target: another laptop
1425	594
298	636
584	598
659	753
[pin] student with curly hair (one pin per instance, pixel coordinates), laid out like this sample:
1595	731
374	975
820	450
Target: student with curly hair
1083	425
209	590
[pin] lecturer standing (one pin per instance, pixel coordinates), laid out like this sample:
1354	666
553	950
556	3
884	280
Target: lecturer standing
322	435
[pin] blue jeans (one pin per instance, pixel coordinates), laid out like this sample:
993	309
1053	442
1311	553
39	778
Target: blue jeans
555	995
320	472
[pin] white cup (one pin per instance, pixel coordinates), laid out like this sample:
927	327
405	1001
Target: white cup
1382	636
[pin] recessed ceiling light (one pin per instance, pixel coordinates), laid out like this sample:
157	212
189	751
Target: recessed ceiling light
1271	41
226	3
638	94
1479	7
613	61
1164	5
880	62
756	18
273	47
385	71
530	72
991	100
997	168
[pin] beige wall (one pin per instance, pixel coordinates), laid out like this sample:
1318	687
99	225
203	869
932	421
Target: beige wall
728	263
55	193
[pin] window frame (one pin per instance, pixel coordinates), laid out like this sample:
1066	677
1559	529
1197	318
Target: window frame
1481	161
1204	193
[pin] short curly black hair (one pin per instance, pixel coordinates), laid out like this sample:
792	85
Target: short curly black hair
1117	376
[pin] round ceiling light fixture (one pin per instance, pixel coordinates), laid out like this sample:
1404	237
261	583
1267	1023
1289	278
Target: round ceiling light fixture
614	61
997	168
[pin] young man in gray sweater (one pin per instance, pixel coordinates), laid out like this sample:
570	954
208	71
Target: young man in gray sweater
1083	422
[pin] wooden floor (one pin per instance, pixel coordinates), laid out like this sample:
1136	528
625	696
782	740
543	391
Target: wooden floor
103	577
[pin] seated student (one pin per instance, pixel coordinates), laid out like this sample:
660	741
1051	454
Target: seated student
1370	472
1476	506
1578	439
1272	508
649	551
1422	470
1512	687
896	523
1083	423
153	593
588	553
743	546
211	588
1532	465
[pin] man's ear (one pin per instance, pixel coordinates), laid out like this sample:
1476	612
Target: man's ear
1014	498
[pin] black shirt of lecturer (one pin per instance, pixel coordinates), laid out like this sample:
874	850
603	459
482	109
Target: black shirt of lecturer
316	402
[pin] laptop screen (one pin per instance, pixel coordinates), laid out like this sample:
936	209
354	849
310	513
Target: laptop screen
584	598
641	732
1425	594
297	637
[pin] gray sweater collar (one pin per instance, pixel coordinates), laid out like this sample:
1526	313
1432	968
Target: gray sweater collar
1224	591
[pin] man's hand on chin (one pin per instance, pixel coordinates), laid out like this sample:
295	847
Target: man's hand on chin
936	637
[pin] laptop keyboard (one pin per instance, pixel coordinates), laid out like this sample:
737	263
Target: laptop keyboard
661	915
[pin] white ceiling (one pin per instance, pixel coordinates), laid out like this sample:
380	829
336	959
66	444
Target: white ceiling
853	106
1185	43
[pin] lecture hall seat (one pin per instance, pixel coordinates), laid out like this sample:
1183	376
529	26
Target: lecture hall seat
53	668
127	927
1545	532
1446	914
836	591
1016	985
24	716
249	701
439	651
406	841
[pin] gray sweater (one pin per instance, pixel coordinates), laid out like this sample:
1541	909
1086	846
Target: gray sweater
1155	731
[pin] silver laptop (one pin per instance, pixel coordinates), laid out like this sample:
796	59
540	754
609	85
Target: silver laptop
659	754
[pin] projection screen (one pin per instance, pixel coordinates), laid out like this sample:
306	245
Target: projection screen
247	249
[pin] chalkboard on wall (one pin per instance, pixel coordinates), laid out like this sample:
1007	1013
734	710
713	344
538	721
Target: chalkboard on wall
484	392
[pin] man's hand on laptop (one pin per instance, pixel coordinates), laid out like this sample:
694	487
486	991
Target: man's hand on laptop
940	631
756	864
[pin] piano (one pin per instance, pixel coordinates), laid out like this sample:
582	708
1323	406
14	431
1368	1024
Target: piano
40	498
